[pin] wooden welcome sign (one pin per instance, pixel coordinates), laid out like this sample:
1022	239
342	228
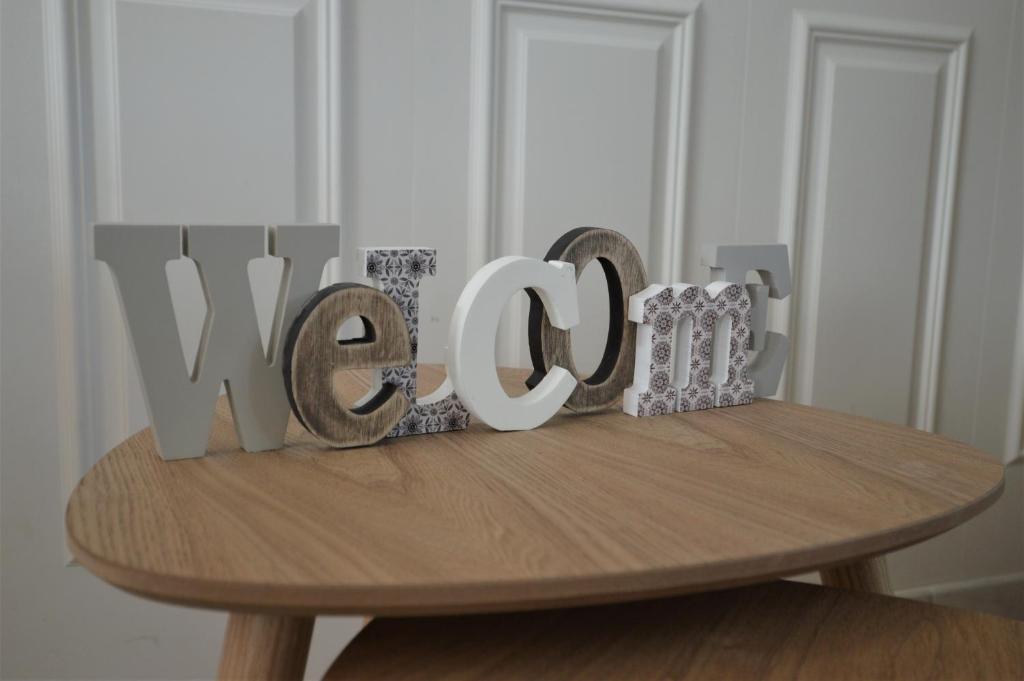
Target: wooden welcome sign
670	348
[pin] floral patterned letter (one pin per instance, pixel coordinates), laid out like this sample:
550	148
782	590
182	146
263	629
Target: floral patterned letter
656	310
397	272
690	314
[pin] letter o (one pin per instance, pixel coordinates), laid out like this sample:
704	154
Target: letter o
550	346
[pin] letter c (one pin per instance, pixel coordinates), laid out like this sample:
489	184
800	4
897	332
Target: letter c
474	327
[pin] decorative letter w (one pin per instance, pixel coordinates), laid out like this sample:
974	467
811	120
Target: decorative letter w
230	351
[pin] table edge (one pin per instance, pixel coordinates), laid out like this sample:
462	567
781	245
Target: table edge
508	596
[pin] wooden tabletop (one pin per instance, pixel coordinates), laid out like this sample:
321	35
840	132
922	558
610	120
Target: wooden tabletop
585	509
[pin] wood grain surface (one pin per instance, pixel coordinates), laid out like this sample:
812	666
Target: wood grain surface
589	508
313	356
625	275
270	647
870	575
782	630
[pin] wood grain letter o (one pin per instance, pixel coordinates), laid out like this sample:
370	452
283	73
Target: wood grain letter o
549	346
313	355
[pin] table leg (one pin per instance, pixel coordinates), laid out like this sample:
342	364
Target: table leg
265	647
870	575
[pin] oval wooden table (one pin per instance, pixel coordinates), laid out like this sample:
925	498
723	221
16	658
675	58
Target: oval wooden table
586	509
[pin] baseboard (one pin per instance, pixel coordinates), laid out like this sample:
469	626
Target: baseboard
998	595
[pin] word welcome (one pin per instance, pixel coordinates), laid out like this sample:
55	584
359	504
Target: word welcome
668	348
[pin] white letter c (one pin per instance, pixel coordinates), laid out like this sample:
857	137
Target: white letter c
474	328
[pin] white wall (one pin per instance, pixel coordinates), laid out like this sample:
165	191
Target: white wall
412	122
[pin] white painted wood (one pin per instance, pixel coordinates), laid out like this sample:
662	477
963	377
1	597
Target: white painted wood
474	329
771	263
539	167
72	417
768	368
872	148
1014	446
180	405
759	296
1007	232
406	109
644	343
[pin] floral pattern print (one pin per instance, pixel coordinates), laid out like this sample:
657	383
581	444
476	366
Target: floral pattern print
397	272
661	313
670	309
702	312
738	387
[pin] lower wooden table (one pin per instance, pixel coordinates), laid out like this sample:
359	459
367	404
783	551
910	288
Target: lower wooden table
586	509
777	631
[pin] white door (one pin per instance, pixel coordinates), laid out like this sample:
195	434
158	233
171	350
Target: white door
881	140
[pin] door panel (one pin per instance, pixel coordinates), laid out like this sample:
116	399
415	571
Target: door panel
195	111
589	129
874	133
